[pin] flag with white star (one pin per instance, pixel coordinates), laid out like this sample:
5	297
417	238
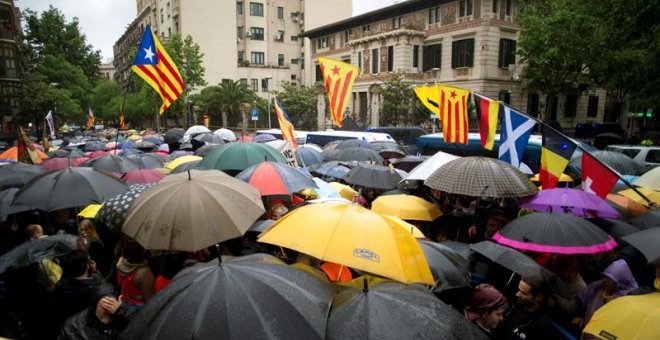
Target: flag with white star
154	65
338	77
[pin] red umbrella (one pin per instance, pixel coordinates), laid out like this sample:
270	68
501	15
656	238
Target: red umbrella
96	154
276	179
245	139
53	164
143	176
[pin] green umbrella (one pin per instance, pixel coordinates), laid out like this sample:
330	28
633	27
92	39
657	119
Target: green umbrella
233	158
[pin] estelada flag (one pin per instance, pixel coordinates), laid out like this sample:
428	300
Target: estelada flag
288	132
154	65
596	178
338	78
453	113
555	155
487	113
429	95
90	118
26	153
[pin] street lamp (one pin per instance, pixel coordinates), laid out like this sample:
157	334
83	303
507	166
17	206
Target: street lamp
268	78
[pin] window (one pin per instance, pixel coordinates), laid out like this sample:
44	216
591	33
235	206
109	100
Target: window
294	38
280	59
505	97
256	9
239	32
264	84
293	77
257	58
570	107
168	10
319	74
257	33
495	6
226	81
592	108
254	84
243	81
390	58
239	7
415	56
507	53
553	104
279	36
321	42
509	5
280	12
465	8
345	37
359	60
653	156
462	53
162	17
241	56
432	57
294	61
374	60
434	15
366	28
396	23
533	104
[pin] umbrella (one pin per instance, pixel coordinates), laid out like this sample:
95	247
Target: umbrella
449	269
15	175
261	225
358	154
11	154
96	154
479	177
144	145
196	129
406	207
569	201
114	211
90	211
373	176
172	136
185	167
653	195
352	236
618	161
94	146
554	233
275	179
33	251
152	139
208	137
206	149
53	164
408	163
646	241
111	164
391	310
264	137
460	248
323	189
226	134
424	170
143	176
650	219
331	169
182	160
311	146
614	227
68	188
650	180
191	211
308	156
6	207
245	139
251	297
352	143
146	161
627	204
344	190
627	317
510	259
236	157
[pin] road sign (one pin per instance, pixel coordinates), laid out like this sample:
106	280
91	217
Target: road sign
255	114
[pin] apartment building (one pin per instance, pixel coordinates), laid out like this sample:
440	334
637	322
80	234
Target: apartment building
466	43
10	69
255	41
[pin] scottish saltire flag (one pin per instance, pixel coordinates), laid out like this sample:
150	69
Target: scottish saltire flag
154	65
288	132
514	135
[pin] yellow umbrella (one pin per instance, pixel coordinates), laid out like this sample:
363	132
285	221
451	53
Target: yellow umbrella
344	190
352	236
653	195
134	137
182	160
562	178
627	317
90	211
165	171
409	228
406	207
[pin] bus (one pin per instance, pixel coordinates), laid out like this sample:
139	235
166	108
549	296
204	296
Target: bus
300	136
321	138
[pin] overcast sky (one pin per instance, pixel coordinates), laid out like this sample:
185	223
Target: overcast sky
104	21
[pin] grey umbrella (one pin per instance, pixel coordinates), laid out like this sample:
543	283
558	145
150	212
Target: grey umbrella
649	219
393	310
251	297
373	176
511	259
111	163
616	160
330	169
6	207
358	154
145	161
353	143
449	269
185	167
647	242
172	136
481	177
68	188
208	137
34	250
615	228
15	175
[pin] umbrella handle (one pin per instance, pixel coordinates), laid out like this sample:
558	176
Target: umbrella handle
341	269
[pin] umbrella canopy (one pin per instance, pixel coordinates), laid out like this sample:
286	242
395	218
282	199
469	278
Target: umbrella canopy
554	233
237	157
15	175
144	145
343	190
251	297
373	176
627	317
264	137
479	177
408	163
322	190
391	310
208	137
352	236
193	210
68	188
143	176
330	169
146	161
11	154
308	156
650	219
616	160
352	143
94	146
650	180
111	163
182	160
406	207
510	259
245	139
172	136
90	211
424	170
6	207
615	228
35	250
196	129
358	154
53	164
206	149
627	204
114	211
261	225
152	139
226	134
647	242
276	179
96	154
569	201
449	269
653	195
185	167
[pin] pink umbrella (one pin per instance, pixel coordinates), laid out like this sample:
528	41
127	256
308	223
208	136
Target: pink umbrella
53	164
143	176
99	153
245	139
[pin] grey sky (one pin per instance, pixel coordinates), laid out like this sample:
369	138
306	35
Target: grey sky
104	21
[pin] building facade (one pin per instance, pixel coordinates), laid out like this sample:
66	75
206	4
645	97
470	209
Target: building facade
466	43
107	70
10	63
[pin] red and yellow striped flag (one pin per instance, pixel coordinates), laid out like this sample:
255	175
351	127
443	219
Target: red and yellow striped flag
454	114
288	132
339	78
154	65
487	112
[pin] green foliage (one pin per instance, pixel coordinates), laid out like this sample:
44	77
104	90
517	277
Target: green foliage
103	98
37	96
300	104
397	103
185	54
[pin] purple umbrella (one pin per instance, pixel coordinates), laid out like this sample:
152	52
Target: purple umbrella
263	138
569	201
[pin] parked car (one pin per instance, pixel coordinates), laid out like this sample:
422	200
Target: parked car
647	156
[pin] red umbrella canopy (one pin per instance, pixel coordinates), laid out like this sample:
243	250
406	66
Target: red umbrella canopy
245	139
53	164
278	179
143	176
96	154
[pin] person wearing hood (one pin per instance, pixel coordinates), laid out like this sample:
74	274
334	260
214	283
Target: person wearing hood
134	276
486	308
616	280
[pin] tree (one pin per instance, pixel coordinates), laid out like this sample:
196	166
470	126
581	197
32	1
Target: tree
299	102
397	102
232	95
37	96
103	96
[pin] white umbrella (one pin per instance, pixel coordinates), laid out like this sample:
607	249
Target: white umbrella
195	129
424	170
650	180
226	134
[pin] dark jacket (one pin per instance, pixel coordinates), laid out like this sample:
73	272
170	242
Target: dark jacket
525	325
85	325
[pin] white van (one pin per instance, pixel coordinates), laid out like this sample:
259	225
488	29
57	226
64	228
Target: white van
300	136
647	156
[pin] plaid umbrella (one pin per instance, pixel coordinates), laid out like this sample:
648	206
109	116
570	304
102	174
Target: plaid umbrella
114	211
481	176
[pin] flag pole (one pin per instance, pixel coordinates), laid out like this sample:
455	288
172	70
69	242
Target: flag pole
121	113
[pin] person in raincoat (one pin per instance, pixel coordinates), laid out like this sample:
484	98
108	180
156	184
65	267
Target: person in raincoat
486	308
134	276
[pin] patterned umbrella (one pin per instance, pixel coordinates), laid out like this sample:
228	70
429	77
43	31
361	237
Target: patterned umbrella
114	211
479	177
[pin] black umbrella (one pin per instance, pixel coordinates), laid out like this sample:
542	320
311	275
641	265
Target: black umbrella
111	163
208	137
408	163
616	160
647	241
358	154
460	248
6	207
35	250
15	175
511	259
393	310
353	143
68	188
251	297
330	169
373	176
449	269
145	161
615	228
114	211
649	219
172	136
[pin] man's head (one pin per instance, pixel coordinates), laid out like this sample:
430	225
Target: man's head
34	231
531	293
495	221
75	263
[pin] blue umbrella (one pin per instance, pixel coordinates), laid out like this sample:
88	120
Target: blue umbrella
263	138
153	139
307	156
